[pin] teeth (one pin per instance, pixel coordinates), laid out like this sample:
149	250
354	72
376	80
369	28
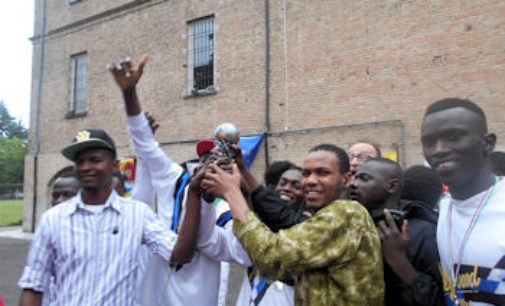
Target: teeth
285	197
447	164
312	193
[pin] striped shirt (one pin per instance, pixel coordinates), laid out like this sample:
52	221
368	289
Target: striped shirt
94	255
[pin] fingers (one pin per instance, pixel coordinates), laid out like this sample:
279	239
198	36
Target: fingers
386	231
390	221
380	232
405	230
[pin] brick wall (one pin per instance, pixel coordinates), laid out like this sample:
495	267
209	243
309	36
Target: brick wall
332	63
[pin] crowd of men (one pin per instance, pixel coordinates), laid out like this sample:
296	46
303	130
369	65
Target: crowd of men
348	227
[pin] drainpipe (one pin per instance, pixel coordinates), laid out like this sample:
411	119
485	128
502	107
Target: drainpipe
37	114
267	80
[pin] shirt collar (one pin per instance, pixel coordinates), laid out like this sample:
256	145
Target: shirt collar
77	203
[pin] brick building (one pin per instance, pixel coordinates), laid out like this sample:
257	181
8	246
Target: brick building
303	72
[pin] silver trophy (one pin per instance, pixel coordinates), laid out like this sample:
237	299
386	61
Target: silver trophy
226	135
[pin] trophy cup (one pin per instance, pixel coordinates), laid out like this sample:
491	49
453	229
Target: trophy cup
226	135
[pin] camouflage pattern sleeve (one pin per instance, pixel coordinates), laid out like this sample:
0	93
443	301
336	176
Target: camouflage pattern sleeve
330	237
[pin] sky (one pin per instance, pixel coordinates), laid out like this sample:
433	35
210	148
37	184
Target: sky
16	27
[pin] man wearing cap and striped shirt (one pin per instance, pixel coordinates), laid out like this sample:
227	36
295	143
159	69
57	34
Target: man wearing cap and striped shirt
90	242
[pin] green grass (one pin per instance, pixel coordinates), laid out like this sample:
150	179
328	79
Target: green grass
11	212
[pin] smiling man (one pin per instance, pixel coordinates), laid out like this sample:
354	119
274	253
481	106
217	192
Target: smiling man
471	231
334	256
90	243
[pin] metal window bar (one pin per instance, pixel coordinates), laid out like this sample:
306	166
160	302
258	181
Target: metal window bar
203	53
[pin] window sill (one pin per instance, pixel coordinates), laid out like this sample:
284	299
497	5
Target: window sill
71	115
200	93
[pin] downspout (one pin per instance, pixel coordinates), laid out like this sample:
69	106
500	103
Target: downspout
267	81
37	114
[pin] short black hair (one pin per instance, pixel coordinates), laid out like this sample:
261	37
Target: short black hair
449	103
397	169
341	154
422	184
275	170
67	173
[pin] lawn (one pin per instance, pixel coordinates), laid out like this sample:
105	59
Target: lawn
11	212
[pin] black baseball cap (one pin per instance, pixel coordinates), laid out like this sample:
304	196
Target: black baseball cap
89	139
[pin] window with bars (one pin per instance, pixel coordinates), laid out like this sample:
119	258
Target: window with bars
78	84
201	54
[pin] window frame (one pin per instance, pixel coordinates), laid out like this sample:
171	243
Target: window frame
75	109
212	88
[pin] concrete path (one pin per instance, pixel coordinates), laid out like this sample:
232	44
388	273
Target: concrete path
12	261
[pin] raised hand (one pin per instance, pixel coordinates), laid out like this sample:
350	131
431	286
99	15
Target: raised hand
125	75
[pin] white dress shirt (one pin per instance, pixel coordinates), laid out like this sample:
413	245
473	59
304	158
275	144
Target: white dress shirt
94	256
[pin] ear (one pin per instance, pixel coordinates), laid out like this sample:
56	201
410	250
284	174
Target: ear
347	181
393	186
115	166
489	143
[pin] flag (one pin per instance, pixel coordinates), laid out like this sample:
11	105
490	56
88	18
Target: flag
391	155
250	146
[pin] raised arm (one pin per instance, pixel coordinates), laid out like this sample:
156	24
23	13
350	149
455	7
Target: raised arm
127	77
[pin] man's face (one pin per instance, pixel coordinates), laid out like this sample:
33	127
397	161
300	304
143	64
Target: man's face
359	153
216	156
454	144
289	187
370	185
64	188
322	181
95	168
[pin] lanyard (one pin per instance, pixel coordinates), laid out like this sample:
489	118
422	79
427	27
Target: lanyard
454	271
178	202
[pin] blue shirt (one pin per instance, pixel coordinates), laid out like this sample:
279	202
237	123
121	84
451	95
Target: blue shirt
94	255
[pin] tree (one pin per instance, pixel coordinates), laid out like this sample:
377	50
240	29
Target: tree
12	147
9	127
12	158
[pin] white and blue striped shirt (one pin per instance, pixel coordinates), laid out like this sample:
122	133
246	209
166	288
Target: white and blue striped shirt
94	256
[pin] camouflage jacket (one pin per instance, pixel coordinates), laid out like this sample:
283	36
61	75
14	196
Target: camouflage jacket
334	257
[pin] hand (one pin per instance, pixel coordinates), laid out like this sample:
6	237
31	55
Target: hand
395	246
126	75
153	124
195	185
239	158
221	183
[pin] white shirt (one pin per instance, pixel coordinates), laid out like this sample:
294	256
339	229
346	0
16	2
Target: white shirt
197	282
94	256
276	294
482	268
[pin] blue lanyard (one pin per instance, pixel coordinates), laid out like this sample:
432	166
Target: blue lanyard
177	203
261	285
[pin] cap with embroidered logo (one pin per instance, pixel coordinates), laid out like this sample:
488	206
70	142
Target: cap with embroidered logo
89	139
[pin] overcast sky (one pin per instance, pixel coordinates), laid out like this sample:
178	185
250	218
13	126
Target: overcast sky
16	26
